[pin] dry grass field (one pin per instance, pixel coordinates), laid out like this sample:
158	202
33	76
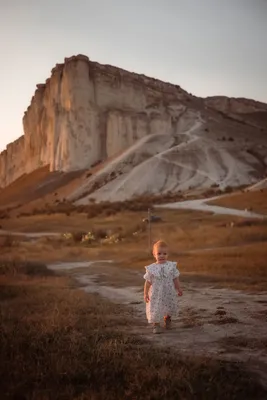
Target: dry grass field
59	342
219	246
254	200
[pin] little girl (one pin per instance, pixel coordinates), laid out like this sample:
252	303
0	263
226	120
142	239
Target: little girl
161	288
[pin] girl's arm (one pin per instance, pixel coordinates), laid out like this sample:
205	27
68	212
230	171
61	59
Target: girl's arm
177	286
146	289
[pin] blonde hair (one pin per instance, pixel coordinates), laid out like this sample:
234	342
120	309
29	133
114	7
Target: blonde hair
159	243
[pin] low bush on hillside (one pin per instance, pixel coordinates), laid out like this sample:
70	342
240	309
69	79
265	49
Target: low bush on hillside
4	214
7	241
107	208
105	236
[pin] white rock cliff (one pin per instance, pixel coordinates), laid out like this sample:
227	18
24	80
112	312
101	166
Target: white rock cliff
86	112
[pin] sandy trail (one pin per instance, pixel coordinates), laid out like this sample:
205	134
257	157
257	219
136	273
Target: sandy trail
201	205
30	235
221	323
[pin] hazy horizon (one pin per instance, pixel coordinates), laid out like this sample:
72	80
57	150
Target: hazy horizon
208	48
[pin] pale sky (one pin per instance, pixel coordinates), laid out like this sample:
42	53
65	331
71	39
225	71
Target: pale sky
208	47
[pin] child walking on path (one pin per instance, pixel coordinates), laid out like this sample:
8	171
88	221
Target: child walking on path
161	288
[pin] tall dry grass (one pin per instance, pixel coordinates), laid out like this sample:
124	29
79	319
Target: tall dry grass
59	343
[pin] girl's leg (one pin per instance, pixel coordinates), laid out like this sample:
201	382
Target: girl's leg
156	327
167	322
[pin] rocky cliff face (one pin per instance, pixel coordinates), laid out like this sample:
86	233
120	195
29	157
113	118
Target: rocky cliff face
230	105
86	112
251	112
12	162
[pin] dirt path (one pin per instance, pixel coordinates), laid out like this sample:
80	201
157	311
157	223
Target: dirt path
202	205
30	235
220	323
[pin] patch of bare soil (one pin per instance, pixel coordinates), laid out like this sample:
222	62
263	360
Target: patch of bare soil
210	317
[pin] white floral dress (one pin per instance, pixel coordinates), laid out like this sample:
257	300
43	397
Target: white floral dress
163	299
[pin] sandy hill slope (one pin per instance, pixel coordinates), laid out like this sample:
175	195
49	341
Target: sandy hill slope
259	185
205	150
38	188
